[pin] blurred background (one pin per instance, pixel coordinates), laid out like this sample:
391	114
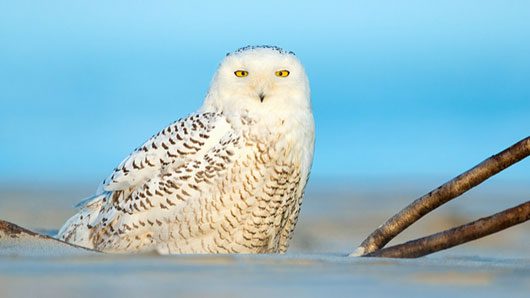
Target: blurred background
405	94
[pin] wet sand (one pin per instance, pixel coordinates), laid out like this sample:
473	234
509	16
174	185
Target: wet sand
335	217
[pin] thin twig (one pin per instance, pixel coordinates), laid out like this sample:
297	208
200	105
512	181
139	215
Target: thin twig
452	189
459	235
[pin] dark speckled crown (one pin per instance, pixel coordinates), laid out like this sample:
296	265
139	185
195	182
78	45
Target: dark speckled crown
249	48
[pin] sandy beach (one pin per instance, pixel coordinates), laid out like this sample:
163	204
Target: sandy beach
336	216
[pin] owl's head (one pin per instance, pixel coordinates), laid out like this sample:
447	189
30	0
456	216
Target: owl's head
259	80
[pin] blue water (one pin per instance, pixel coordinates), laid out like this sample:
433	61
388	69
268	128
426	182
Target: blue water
399	89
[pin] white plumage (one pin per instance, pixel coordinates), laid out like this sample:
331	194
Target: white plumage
227	179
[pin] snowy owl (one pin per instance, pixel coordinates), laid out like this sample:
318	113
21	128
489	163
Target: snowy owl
229	178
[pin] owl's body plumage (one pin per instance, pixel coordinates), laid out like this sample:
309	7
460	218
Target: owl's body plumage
227	179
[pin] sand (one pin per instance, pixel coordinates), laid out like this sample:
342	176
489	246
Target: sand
334	219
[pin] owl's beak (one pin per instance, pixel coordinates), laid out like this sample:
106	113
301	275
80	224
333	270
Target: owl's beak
261	96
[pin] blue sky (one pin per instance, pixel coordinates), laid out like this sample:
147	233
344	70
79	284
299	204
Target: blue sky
399	88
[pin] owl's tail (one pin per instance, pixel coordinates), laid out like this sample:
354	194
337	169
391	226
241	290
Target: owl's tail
76	230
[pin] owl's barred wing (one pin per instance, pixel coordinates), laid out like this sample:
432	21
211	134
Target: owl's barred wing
139	217
168	148
164	173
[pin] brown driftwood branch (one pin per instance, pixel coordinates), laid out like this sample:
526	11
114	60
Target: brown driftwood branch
443	194
13	238
459	235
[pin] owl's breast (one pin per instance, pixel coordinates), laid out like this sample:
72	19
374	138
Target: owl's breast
288	137
264	187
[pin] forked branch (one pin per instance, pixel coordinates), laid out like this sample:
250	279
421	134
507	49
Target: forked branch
459	235
443	194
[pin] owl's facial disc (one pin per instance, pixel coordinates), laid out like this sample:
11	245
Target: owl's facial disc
260	80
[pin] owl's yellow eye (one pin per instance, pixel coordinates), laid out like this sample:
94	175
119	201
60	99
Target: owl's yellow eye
241	73
282	73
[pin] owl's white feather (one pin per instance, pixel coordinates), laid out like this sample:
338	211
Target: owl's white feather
227	179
